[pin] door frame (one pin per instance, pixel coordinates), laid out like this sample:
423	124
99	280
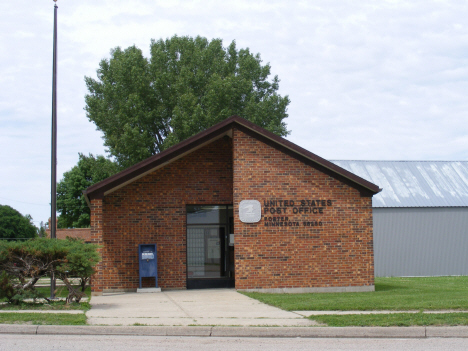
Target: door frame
227	281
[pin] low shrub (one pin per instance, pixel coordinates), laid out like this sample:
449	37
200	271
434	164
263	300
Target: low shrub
24	263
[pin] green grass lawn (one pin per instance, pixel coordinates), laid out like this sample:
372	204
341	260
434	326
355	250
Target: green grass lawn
53	305
398	294
391	320
43	318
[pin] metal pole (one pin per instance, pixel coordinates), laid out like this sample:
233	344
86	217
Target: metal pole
53	213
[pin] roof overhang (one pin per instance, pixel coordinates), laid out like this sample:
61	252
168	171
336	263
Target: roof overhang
224	128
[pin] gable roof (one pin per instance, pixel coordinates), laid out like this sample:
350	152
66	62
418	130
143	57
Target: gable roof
218	131
415	183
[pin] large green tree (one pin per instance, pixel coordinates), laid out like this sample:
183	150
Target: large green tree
188	84
13	225
74	211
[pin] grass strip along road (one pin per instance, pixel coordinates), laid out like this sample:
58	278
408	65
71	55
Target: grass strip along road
394	319
395	294
43	318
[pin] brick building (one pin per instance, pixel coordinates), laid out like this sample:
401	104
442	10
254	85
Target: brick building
235	206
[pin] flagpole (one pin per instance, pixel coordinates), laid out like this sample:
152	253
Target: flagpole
53	211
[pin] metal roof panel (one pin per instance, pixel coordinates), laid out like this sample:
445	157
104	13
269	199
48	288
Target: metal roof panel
414	183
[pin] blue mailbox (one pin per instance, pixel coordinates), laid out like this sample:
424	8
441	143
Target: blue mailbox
147	256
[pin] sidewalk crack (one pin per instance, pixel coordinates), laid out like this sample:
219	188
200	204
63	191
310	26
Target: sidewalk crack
179	306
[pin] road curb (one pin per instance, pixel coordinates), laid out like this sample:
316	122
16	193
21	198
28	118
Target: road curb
18	329
278	332
447	332
123	330
321	332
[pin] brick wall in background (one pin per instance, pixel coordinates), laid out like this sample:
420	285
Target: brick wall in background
78	233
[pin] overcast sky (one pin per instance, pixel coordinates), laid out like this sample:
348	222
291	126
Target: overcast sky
367	80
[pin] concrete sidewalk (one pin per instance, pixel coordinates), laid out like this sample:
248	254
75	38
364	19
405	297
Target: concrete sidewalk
207	307
213	313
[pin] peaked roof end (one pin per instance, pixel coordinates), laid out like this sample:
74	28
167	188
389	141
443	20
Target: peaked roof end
225	127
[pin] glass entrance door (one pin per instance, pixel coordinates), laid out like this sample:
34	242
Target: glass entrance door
208	249
204	252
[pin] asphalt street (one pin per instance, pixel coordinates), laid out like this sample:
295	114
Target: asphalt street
16	342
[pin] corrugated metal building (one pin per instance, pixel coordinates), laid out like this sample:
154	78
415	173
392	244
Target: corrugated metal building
420	217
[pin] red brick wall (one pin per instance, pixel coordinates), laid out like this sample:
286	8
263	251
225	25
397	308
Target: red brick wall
152	210
97	238
78	233
337	254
